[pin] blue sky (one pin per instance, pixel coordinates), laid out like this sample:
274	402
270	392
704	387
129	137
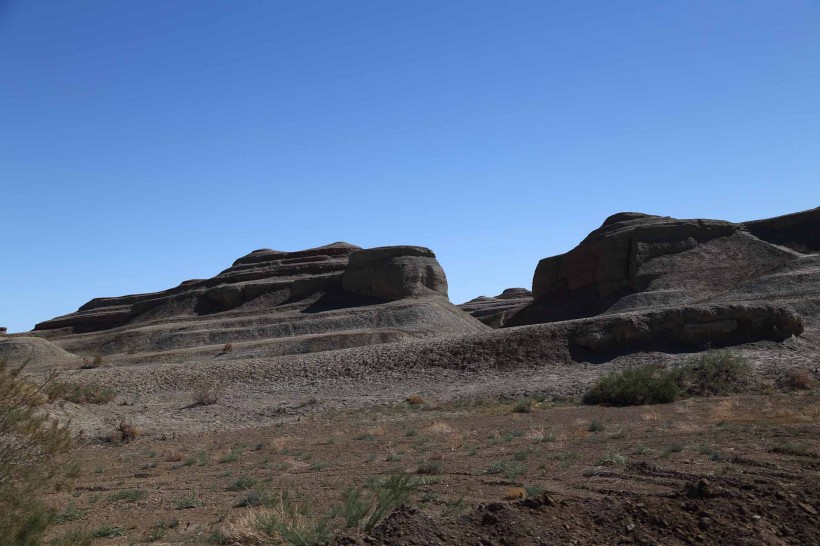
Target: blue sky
144	143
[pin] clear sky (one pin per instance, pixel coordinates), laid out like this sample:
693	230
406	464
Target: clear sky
147	142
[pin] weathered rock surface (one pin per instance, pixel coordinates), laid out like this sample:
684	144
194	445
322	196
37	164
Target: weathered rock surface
274	302
394	272
690	327
493	311
641	262
799	231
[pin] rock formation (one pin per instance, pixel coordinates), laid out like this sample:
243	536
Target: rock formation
494	311
275	302
639	262
394	272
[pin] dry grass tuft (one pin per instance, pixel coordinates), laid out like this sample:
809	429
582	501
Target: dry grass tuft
227	348
415	400
439	427
798	379
514	493
173	456
206	396
127	431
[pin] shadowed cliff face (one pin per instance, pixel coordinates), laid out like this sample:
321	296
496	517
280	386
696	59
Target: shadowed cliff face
325	298
636	262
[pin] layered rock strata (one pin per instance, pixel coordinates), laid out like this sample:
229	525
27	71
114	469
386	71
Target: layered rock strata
273	302
494	311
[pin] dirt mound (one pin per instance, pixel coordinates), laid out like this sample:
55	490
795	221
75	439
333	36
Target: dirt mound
271	303
34	352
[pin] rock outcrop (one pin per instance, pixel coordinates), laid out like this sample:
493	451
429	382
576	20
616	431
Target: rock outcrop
688	327
799	231
640	262
275	303
494	311
394	272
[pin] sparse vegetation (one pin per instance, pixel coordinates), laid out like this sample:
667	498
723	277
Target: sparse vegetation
798	379
595	426
69	513
674	448
612	458
158	530
127	495
79	393
29	442
206	396
127	432
714	373
523	406
227	348
189	501
647	384
108	532
241	484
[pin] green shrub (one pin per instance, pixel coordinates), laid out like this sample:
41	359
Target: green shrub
29	440
714	373
647	384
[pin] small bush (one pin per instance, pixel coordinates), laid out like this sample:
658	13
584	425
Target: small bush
798	379
227	348
206	396
612	458
714	373
127	432
108	532
429	467
647	384
595	426
29	442
241	484
522	406
191	501
127	495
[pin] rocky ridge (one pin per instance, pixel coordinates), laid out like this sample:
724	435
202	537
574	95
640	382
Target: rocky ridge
273	303
639	262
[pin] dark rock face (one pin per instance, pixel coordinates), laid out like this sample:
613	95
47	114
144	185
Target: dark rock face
261	272
494	311
394	272
325	298
799	231
640	262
